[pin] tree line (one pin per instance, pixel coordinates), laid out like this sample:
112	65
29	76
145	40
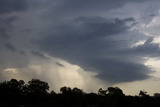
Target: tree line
35	93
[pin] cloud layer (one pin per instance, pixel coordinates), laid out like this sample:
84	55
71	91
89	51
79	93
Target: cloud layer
97	36
98	45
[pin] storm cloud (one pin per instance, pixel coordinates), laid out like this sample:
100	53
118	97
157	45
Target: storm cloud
100	37
96	45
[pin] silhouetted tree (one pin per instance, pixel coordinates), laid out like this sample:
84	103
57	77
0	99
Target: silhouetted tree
37	87
77	91
12	85
52	92
102	92
115	91
16	93
36	92
11	92
156	94
143	93
66	90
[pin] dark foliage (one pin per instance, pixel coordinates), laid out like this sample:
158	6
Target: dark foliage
35	93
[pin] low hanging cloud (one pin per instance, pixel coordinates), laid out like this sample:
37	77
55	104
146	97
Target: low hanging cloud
95	44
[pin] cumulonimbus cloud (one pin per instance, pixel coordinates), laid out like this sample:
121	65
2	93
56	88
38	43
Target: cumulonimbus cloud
73	31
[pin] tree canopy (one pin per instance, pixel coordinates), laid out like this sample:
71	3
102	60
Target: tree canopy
15	93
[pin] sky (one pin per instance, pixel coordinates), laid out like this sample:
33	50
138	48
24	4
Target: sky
89	44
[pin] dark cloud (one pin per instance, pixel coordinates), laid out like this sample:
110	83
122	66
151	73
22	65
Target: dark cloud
3	34
59	64
98	25
84	30
91	6
8	6
96	45
39	54
5	26
10	47
115	71
148	49
22	52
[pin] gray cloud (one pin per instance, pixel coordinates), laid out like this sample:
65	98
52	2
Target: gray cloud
116	71
147	49
39	54
10	47
8	6
83	30
90	6
96	45
75	32
59	64
3	34
5	26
